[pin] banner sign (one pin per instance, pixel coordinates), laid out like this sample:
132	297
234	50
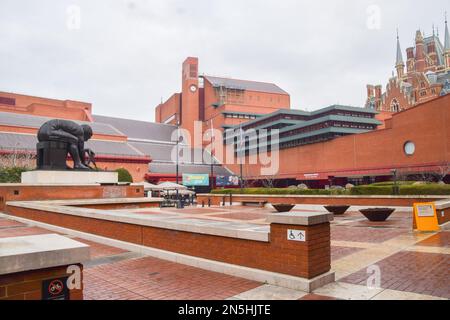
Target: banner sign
195	180
227	181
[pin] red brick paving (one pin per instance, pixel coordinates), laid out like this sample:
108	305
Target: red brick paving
22	231
341	252
99	250
418	272
312	296
240	216
151	278
194	211
402	223
373	235
4	223
441	239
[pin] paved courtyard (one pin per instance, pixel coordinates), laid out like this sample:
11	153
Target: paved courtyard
411	265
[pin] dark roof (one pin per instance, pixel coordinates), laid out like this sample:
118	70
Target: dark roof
26	120
244	85
163	152
27	142
139	130
187	169
308	113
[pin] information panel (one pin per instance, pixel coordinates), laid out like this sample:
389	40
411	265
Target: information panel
195	180
425	217
227	181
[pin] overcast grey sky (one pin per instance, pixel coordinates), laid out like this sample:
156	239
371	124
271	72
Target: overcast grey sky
123	56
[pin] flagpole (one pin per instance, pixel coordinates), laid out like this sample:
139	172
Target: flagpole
212	157
241	180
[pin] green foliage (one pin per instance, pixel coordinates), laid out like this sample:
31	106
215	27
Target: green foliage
384	188
280	191
11	175
405	189
124	175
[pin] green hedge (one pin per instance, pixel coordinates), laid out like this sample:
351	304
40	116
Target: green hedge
405	190
376	189
279	191
124	175
11	175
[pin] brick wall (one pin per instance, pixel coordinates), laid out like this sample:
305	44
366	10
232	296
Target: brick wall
330	200
28	193
303	259
27	285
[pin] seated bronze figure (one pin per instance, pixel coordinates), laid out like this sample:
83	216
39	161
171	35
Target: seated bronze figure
57	138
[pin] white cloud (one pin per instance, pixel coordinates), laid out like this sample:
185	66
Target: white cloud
127	54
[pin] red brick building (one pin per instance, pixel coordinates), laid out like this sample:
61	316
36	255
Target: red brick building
424	76
138	146
225	102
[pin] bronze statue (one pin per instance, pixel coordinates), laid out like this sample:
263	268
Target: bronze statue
57	138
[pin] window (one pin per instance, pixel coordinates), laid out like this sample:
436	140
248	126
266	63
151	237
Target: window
409	148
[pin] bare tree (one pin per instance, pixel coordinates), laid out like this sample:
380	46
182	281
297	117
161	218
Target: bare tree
269	181
442	171
18	158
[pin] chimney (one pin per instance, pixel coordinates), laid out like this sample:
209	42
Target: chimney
378	90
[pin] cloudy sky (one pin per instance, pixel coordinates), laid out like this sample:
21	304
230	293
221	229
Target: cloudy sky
125	55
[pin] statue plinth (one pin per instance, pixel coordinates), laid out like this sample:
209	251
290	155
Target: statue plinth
69	177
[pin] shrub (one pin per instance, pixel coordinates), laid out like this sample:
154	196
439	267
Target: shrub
124	175
279	191
375	189
12	175
405	189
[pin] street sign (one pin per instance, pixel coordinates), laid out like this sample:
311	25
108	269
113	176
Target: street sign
296	235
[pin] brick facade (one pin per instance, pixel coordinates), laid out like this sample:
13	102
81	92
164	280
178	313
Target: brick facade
303	259
27	285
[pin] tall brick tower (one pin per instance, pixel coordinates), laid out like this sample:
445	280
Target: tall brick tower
190	95
420	52
399	65
447	46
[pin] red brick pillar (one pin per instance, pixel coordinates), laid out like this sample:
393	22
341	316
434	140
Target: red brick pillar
303	241
42	267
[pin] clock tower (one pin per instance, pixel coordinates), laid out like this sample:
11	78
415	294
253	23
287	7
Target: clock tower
190	95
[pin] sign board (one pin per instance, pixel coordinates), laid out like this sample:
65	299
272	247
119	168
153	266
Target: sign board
195	180
425	217
55	289
296	235
227	181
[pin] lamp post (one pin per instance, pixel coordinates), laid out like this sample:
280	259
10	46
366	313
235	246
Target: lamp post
176	170
395	188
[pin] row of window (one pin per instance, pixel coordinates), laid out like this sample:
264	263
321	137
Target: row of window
240	116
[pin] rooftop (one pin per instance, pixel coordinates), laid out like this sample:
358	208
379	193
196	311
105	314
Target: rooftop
230	83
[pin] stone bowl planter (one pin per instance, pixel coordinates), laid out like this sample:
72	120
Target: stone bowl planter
337	210
377	214
283	207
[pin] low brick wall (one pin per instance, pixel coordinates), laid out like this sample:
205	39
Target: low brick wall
397	201
28	285
443	215
306	259
119	206
18	192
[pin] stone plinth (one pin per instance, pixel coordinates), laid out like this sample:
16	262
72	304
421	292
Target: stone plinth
69	177
38	268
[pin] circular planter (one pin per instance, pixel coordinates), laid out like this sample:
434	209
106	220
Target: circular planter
337	210
377	214
283	207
